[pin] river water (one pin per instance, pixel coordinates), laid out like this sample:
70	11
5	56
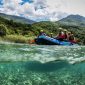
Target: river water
23	64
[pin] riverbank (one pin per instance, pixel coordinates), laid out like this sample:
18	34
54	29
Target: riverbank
17	38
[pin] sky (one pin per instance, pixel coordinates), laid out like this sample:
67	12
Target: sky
43	10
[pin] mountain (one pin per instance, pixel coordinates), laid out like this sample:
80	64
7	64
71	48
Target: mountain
17	18
73	20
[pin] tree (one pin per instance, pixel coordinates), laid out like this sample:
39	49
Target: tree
3	30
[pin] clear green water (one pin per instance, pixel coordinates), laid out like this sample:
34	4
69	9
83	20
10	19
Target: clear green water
41	65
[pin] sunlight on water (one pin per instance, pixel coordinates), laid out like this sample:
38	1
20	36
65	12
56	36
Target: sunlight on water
22	64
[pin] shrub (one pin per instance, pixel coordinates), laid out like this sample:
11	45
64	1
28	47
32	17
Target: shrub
3	30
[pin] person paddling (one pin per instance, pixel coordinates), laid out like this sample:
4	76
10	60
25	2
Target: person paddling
71	38
42	33
60	35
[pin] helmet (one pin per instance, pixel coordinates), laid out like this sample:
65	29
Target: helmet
65	30
60	28
69	32
41	30
51	33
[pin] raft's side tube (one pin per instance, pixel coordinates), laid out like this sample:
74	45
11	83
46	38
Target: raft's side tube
51	41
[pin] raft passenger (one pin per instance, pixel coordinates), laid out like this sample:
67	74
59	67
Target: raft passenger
72	38
42	33
60	35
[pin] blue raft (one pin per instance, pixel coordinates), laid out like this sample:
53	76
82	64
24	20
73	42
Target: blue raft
45	40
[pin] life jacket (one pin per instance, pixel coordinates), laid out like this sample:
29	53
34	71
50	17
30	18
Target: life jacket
65	36
61	35
73	41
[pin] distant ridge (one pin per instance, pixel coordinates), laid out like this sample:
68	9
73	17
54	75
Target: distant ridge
71	20
76	20
17	18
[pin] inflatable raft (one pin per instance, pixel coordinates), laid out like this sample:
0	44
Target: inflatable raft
45	40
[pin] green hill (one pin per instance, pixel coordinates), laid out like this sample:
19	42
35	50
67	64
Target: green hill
17	18
75	20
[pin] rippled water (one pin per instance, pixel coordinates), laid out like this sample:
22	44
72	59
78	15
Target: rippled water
22	64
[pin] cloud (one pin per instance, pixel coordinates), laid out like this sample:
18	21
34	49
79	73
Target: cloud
10	7
42	9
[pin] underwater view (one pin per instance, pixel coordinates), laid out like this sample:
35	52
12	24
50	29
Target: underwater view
23	64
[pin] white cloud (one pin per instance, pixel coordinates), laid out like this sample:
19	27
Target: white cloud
11	6
44	9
